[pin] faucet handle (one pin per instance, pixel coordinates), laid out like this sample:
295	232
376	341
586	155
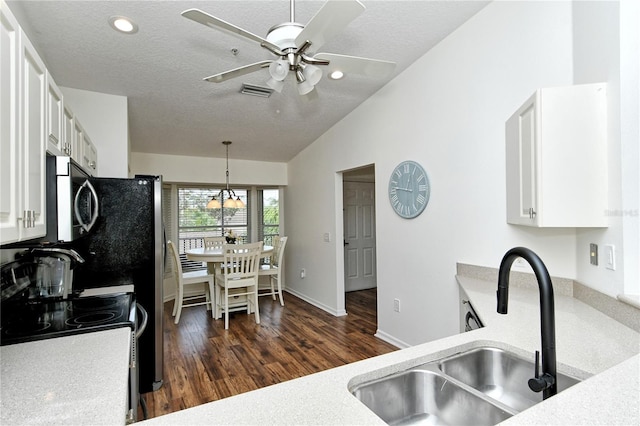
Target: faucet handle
540	383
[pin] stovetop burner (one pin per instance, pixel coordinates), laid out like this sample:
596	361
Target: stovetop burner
24	322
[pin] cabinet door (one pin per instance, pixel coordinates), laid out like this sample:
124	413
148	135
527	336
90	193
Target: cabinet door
9	128
76	149
521	146
34	91
68	133
89	155
556	154
54	117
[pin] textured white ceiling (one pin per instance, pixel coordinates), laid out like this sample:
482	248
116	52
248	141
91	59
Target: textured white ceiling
160	68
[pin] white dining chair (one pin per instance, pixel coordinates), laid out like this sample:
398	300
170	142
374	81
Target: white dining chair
184	279
238	276
274	270
214	242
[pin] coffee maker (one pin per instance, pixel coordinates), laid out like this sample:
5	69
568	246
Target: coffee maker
53	272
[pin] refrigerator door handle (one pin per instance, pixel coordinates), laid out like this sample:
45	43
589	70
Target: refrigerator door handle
94	215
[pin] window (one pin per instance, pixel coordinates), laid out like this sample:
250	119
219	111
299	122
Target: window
269	214
195	221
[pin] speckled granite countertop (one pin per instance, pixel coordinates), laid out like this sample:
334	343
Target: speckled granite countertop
74	380
588	343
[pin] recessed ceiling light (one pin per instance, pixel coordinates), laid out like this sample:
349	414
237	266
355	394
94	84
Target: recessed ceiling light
123	24
336	75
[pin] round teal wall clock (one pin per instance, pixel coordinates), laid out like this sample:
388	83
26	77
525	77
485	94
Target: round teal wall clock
409	189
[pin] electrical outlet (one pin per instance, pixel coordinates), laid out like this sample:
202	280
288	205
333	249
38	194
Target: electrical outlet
396	305
303	273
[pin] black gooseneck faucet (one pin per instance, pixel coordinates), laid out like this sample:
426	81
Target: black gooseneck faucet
547	381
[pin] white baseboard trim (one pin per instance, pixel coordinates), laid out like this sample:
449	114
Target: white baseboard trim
392	340
337	313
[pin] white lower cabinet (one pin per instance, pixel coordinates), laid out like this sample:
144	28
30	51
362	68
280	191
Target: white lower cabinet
556	158
23	142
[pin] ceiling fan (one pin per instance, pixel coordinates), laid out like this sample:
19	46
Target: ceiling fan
293	44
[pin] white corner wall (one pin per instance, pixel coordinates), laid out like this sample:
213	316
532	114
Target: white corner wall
447	111
106	119
612	54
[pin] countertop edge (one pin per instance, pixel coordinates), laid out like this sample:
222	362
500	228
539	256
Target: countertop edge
78	391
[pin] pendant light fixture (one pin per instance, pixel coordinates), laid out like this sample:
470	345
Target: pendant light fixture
229	202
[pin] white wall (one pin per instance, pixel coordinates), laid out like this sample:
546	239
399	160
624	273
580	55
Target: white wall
105	118
205	170
447	111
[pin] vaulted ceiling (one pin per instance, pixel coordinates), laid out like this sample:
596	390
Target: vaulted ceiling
160	69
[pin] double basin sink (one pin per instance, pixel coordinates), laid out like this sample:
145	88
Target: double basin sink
481	386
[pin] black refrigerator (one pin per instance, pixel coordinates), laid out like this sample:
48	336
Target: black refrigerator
126	246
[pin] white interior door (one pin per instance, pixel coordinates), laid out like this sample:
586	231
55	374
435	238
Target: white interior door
359	236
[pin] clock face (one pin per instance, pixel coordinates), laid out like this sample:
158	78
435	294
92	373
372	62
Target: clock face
409	189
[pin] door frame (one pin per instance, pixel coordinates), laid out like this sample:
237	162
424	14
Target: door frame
364	172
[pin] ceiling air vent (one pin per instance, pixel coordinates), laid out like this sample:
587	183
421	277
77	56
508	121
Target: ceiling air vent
250	89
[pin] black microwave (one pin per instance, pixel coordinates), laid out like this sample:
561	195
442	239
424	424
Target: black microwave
72	202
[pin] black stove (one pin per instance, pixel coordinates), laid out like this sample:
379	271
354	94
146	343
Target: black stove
38	320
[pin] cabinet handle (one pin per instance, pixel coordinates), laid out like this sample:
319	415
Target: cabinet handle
532	213
28	217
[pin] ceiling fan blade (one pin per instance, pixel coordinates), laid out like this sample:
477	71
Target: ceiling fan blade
237	72
216	23
353	64
330	20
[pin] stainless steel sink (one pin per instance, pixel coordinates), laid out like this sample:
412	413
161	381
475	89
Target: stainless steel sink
481	386
500	375
426	397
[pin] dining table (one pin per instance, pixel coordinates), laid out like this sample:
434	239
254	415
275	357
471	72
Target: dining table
214	256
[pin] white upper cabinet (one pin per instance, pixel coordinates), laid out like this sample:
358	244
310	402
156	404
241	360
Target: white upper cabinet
23	135
9	127
33	119
89	155
556	158
68	133
55	143
34	91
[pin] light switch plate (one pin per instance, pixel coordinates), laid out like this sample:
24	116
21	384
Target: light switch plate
593	254
610	256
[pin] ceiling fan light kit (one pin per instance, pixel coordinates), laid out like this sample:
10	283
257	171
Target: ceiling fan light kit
292	43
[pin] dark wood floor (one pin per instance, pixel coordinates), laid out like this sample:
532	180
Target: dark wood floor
204	362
